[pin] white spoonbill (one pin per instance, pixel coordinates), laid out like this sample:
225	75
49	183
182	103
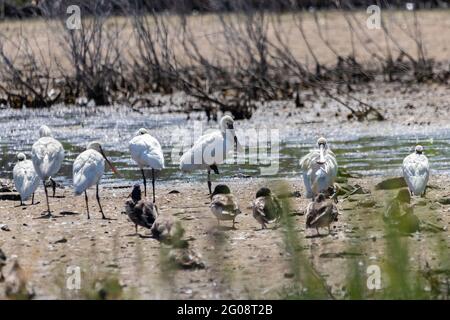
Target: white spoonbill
211	149
25	178
416	172
146	152
319	169
47	155
88	169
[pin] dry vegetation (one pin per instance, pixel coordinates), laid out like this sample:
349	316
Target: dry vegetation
227	62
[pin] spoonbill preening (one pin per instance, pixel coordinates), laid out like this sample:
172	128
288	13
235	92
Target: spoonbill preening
25	178
319	169
211	149
416	172
88	169
47	155
146	152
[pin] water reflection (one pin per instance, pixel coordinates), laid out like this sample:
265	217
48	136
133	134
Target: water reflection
364	152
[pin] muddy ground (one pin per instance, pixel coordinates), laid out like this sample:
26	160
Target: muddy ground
248	263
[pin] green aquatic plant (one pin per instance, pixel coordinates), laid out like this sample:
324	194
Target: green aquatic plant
402	274
108	288
307	283
401	278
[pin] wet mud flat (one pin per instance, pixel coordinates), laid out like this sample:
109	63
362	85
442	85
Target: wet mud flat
240	263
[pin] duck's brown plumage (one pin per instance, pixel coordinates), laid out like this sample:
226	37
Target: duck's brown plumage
321	213
162	228
16	284
141	212
223	204
266	207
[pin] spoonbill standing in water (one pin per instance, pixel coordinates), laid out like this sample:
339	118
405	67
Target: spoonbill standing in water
319	169
211	149
416	172
25	178
47	155
147	152
88	169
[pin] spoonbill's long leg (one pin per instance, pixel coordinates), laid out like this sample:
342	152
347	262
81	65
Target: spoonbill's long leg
87	204
99	204
145	182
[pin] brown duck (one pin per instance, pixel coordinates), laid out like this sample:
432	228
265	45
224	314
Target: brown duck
266	207
224	205
321	213
141	212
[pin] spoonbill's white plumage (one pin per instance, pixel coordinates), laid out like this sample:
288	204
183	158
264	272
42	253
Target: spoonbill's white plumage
47	155
25	178
88	169
319	169
147	153
416	171
211	149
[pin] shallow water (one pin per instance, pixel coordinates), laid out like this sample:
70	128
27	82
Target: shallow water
375	149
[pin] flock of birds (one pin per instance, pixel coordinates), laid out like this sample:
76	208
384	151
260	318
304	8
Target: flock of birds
319	169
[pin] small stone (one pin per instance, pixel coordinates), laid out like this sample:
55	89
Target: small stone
367	203
62	240
186	259
4	227
444	201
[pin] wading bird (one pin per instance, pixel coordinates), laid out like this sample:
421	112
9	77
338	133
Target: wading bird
47	155
266	207
146	152
224	204
211	149
25	178
416	172
88	169
140	211
319	169
164	229
321	213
